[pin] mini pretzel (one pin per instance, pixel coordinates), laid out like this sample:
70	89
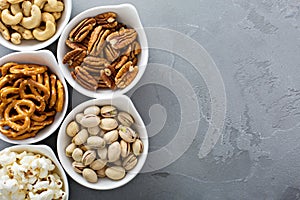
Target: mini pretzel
6	91
28	69
53	91
60	96
8	78
22	117
5	68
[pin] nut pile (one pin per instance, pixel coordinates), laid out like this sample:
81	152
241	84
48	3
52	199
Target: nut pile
30	96
29	175
29	19
103	143
104	53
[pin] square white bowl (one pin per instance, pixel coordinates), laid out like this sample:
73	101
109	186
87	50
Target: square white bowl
128	15
31	45
123	103
47	152
43	57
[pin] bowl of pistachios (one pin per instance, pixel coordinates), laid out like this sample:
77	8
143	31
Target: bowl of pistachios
103	143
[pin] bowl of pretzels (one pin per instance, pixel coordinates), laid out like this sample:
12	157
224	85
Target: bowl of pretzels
32	25
33	96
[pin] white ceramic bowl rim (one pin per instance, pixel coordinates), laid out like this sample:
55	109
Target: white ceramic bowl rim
30	45
48	152
63	140
43	57
123	10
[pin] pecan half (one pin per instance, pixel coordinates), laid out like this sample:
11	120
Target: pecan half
107	20
126	75
75	45
122	38
111	53
75	57
108	80
95	61
136	48
82	30
84	78
122	61
97	41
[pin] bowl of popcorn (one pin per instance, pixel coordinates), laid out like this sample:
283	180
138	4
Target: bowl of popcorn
32	25
33	96
103	51
31	172
103	143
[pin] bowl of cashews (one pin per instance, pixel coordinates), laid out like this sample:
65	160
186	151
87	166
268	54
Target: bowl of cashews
32	25
33	96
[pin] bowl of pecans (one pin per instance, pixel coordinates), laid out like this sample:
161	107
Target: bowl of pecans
103	51
33	96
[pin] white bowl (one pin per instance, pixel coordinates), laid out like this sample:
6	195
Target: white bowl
123	103
30	45
128	15
43	57
45	151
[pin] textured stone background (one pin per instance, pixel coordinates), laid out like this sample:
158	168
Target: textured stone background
255	44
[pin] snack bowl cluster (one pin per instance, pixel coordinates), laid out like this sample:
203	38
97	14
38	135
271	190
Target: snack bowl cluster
121	102
30	45
43	150
126	14
46	58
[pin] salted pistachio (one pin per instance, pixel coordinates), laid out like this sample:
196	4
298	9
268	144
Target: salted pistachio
90	120
114	152
77	154
130	162
95	110
137	147
109	111
115	172
125	148
94	130
81	137
90	175
88	157
125	119
127	134
111	136
79	117
101	172
69	149
102	153
78	167
108	124
72	129
96	142
98	164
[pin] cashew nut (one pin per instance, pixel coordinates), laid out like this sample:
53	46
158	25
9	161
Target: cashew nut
16	38
59	7
43	35
15	8
48	17
10	19
4	4
26	34
26	7
34	20
15	1
4	31
57	15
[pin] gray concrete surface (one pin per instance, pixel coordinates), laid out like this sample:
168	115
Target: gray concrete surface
255	45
